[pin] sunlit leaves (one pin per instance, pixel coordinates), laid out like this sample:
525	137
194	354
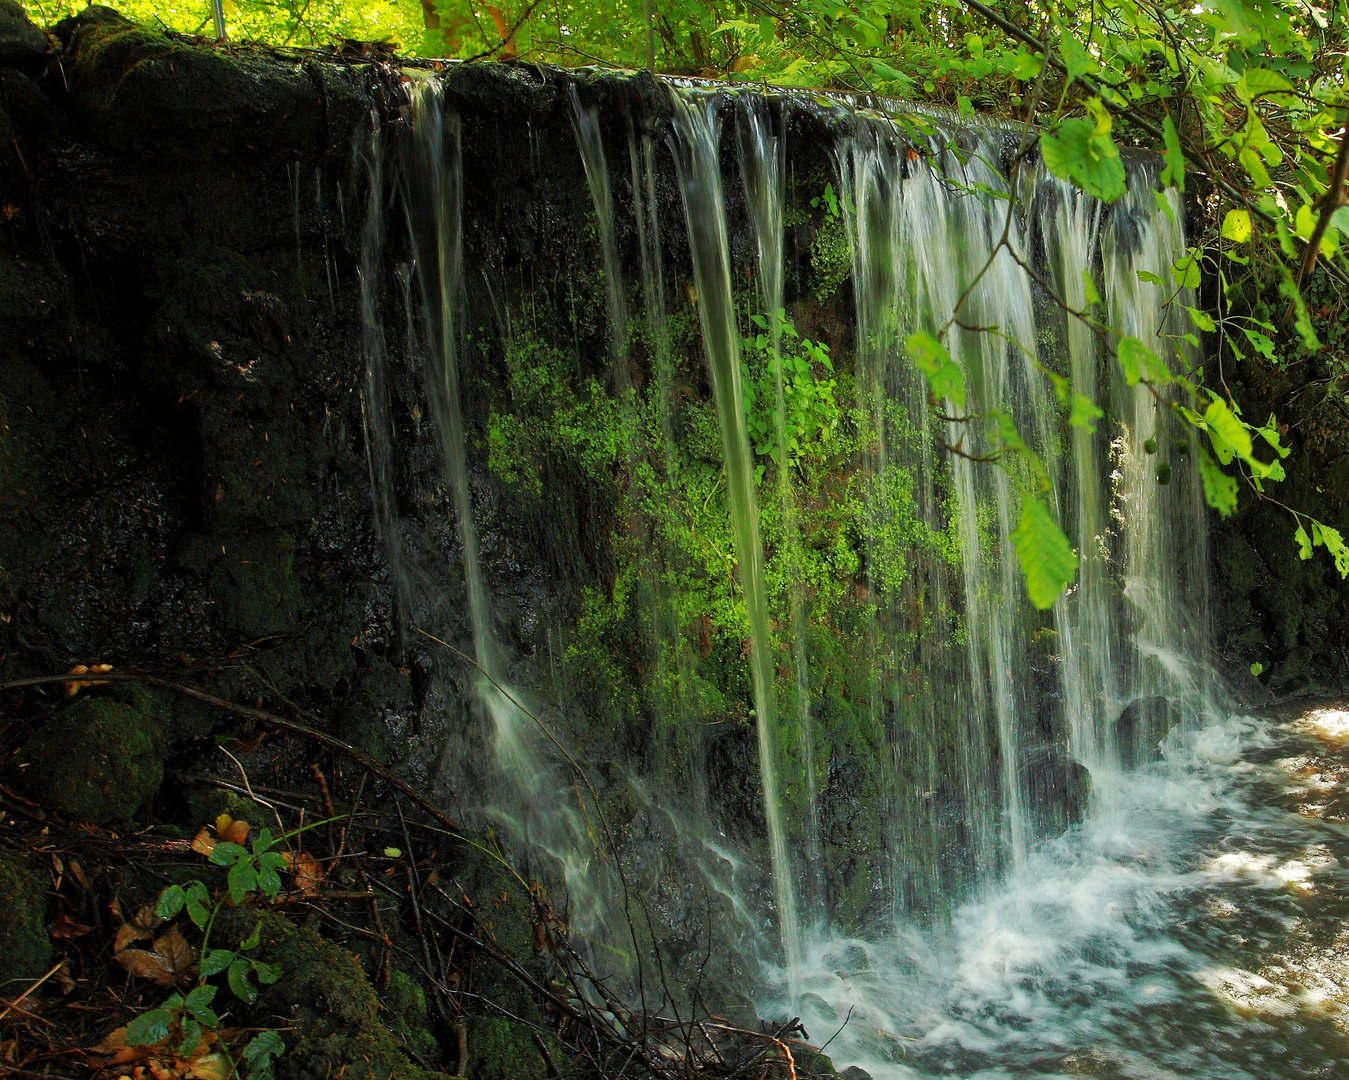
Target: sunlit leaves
1080	152
1047	560
1237	226
1140	363
1173	174
1220	489
945	379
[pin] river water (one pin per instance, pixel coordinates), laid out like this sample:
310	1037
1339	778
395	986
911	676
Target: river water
1194	925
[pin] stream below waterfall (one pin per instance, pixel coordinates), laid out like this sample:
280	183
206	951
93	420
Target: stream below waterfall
1196	924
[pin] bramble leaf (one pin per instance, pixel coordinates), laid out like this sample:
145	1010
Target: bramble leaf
1047	560
945	379
1076	151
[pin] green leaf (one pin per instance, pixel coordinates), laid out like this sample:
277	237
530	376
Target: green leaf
170	902
1257	668
1304	543
197	900
1185	271
1220	490
1075	56
1334	543
216	961
1173	175
263	841
1257	81
266	974
149	1028
1288	288
1078	152
260	1051
1085	413
945	379
392	853
1047	560
1237	226
242	880
1231	434
243	989
1202	319
251	942
275	860
269	883
226	854
1089	294
198	1003
192	1033
1151	279
1140	363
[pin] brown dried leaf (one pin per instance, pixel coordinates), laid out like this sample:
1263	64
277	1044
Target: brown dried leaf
308	871
172	960
64	928
203	843
145	965
145	918
231	831
210	1067
126	934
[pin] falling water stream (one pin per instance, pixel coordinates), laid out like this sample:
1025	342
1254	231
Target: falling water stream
1183	923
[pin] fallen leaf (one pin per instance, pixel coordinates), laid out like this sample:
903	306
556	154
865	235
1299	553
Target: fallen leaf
231	831
203	843
308	871
74	687
172	960
146	918
126	934
63	928
210	1067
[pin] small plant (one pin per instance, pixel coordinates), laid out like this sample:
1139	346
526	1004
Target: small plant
811	411
182	1037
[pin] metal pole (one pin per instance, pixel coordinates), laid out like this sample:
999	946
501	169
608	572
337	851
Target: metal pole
218	11
650	38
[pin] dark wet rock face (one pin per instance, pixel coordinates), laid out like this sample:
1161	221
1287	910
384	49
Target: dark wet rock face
25	949
1056	788
22	45
1141	727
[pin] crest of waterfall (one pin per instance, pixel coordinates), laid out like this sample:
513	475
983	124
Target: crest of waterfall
696	144
763	171
529	795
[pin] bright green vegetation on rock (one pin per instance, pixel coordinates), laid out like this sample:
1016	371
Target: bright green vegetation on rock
98	759
25	950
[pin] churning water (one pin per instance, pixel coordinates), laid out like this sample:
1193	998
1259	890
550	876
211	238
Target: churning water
1196	928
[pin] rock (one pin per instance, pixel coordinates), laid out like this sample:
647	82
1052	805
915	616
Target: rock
1141	727
22	45
98	759
852	1072
336	1024
1056	788
25	949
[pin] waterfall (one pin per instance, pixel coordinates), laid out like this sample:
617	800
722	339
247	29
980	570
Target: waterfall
697	151
531	798
958	718
763	171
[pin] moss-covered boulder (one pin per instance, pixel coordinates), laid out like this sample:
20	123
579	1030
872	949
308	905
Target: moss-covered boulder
98	759
337	1027
406	1005
504	1050
25	949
